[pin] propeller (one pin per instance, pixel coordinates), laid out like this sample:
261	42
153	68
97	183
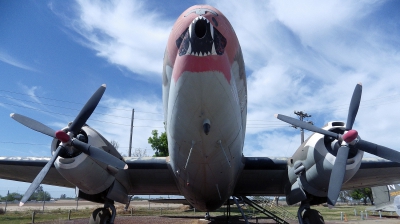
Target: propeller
66	141
350	137
33	124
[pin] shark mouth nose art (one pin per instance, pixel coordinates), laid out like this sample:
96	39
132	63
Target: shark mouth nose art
201	39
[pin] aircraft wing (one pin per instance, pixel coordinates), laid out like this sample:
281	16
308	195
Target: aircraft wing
25	169
268	175
262	176
374	172
147	175
151	175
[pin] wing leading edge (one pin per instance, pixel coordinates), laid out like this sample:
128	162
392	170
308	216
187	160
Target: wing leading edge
25	169
151	175
146	175
268	176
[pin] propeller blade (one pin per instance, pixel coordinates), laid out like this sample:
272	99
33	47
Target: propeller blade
378	150
354	105
33	124
39	178
99	155
87	110
305	125
337	175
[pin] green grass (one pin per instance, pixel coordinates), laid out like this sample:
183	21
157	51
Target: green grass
20	217
59	215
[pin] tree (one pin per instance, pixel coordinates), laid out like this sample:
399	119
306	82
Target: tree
13	196
115	144
344	196
138	152
362	194
159	143
40	194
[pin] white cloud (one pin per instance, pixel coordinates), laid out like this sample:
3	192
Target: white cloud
31	92
126	33
299	56
273	144
115	125
6	58
309	56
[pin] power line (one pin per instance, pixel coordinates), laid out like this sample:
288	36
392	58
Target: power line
336	108
69	115
65	101
28	143
22	143
68	108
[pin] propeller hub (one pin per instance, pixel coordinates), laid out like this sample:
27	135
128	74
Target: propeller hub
350	136
62	136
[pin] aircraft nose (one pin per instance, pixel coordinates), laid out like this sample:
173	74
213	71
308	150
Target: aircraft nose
201	39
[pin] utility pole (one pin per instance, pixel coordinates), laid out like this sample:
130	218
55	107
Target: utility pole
301	116
8	192
130	139
44	198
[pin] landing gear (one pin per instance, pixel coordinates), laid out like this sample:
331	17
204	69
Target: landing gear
313	216
103	215
100	216
310	216
207	216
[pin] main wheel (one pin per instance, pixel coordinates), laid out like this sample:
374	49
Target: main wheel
100	216
312	216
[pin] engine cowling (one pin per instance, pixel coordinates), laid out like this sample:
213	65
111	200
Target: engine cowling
309	169
90	176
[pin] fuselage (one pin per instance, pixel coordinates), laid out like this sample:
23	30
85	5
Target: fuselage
205	104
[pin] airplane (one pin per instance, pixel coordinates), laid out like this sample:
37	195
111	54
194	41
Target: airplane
386	198
205	108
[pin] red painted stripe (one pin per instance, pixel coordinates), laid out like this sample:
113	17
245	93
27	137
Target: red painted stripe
210	63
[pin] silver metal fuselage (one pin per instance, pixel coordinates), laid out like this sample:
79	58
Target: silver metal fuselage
198	89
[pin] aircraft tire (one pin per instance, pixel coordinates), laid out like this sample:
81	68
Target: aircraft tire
100	216
312	216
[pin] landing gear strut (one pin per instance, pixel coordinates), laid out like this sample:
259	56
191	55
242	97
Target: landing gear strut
310	216
103	215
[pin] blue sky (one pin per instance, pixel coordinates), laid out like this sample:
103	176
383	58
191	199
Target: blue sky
299	56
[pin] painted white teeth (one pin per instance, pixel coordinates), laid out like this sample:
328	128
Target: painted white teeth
190	30
213	51
212	31
189	50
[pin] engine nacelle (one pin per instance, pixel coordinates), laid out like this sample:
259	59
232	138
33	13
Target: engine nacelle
309	169
90	176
